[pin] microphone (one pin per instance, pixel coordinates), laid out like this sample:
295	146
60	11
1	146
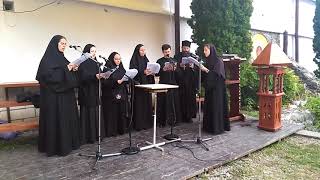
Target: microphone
73	46
103	58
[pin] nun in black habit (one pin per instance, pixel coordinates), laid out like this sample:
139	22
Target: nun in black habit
187	78
115	98
59	121
168	103
89	98
215	116
142	112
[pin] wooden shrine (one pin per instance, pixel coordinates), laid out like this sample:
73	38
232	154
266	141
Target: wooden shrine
271	63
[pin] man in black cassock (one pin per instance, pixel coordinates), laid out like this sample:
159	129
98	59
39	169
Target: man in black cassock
142	110
58	121
187	80
89	97
168	103
215	114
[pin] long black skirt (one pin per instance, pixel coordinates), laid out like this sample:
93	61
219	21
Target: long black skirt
58	123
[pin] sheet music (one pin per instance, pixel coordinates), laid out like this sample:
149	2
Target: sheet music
131	73
187	60
153	67
81	59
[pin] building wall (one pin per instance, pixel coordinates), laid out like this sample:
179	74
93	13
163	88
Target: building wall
24	37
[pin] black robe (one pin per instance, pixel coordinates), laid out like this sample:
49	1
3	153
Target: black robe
188	85
168	107
142	110
115	103
89	102
59	119
215	114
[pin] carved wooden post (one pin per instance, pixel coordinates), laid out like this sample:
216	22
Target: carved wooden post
270	62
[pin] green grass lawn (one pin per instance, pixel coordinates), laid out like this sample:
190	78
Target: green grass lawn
296	157
250	113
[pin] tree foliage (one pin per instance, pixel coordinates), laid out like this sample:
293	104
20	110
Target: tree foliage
316	39
225	23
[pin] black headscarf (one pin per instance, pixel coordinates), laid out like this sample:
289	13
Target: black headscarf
87	48
52	57
214	63
119	73
138	61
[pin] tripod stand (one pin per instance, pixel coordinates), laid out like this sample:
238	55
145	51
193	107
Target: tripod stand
172	136
131	150
98	155
199	139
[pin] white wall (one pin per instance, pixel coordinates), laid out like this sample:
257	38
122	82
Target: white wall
24	37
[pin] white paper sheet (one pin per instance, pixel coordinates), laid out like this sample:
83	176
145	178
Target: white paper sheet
153	67
81	59
106	75
187	60
131	73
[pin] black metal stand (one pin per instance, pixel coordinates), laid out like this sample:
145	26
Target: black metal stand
130	150
98	155
172	136
199	139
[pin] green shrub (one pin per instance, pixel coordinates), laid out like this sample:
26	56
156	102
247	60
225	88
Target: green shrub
313	105
293	88
249	83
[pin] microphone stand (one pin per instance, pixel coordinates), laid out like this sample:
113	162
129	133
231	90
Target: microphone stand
199	140
131	149
98	155
172	136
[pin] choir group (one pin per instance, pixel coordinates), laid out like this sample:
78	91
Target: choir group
65	86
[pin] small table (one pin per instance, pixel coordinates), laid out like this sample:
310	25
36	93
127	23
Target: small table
154	89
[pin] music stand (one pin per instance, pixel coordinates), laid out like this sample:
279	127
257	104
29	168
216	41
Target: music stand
131	149
170	94
199	139
154	89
